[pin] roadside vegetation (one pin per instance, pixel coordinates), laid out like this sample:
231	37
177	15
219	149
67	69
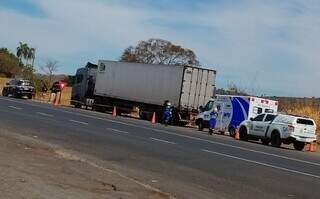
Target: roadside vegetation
308	107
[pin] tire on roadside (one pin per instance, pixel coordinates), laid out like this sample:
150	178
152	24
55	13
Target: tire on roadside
299	146
275	139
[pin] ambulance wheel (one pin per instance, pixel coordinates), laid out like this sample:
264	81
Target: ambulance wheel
200	125
232	132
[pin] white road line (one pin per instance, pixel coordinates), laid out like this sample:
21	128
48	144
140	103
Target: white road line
232	146
169	133
79	122
45	114
118	131
159	140
262	164
14	107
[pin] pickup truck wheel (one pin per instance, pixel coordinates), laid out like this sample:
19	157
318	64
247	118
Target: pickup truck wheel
275	139
299	145
200	125
265	141
243	133
4	93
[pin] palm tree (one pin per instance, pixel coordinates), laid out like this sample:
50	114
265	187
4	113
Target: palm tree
31	55
23	51
26	53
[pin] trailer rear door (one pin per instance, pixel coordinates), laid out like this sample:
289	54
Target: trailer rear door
197	88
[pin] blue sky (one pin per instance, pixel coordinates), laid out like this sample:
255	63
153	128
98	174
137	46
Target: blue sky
266	47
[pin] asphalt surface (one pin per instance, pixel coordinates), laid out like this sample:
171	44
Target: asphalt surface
181	161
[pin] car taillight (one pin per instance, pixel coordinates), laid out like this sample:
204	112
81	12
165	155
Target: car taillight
291	128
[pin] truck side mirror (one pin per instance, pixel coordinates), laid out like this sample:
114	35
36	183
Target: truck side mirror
251	118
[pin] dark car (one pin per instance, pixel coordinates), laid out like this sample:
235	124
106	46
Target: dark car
18	88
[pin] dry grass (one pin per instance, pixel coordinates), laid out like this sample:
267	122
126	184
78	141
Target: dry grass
3	82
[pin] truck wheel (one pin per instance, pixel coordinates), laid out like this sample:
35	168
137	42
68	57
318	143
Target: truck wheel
265	141
30	96
275	139
200	125
4	93
299	145
232	132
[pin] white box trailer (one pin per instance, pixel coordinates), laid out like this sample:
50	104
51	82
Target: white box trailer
184	86
148	86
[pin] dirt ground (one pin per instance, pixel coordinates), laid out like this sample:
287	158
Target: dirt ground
30	168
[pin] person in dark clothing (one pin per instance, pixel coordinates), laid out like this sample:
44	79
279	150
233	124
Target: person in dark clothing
55	91
44	89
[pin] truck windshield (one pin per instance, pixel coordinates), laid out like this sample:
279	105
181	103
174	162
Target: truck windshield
305	121
209	106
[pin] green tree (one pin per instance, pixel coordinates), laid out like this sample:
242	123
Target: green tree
158	51
10	65
24	52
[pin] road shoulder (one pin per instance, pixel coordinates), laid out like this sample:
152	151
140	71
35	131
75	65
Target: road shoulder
40	170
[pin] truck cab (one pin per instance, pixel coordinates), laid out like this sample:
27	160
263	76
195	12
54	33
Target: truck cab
83	89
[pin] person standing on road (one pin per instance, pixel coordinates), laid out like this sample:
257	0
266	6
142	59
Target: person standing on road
55	91
44	89
213	120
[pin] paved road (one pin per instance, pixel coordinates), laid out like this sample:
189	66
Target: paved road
180	161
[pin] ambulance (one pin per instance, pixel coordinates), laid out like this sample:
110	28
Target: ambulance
232	110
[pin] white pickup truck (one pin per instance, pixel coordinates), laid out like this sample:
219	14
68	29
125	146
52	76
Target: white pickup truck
278	129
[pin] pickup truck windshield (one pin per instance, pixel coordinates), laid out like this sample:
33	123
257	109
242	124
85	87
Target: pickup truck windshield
305	121
23	83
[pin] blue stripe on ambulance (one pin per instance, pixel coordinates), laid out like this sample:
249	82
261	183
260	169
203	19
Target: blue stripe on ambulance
240	109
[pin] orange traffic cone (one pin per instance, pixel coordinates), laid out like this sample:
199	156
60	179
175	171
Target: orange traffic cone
237	136
114	112
312	147
153	120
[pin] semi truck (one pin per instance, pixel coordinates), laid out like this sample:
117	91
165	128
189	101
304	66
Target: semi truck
144	87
